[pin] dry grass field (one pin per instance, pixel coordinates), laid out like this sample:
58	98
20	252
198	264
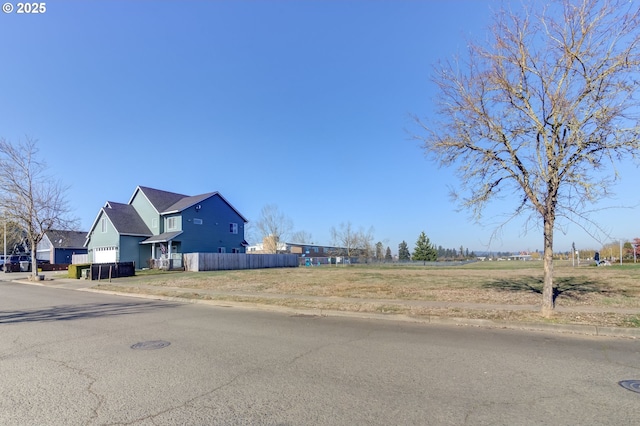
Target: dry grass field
392	288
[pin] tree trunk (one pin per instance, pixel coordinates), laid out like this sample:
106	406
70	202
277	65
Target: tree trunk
34	263
547	288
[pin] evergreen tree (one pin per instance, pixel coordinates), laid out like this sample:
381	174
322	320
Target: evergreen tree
387	255
379	253
403	251
424	250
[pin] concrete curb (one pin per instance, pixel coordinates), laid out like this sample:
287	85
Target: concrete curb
582	329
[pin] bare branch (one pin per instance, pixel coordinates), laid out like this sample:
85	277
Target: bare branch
31	199
274	227
543	112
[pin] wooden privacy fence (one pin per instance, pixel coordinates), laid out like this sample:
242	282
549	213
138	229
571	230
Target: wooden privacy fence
103	271
225	261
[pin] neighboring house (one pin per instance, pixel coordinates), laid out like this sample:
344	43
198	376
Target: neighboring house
304	250
315	250
269	245
266	248
157	224
57	247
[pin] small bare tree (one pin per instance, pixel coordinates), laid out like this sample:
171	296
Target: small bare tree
541	112
345	237
353	242
302	237
31	199
273	227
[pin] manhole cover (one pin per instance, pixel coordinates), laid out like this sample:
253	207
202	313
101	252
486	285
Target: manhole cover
632	385
151	344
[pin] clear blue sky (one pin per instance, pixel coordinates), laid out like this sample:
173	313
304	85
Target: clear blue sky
302	104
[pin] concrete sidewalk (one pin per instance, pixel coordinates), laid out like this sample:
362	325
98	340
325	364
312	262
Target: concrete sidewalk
60	280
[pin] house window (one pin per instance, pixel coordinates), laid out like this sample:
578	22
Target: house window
197	221
235	250
222	249
233	228
103	225
171	223
154	222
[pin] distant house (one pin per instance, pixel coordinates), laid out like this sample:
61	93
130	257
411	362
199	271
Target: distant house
520	257
315	250
58	246
268	245
160	225
301	249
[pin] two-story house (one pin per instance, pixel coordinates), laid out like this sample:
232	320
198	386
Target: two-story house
157	224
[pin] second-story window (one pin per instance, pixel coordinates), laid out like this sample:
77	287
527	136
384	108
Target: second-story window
171	223
233	228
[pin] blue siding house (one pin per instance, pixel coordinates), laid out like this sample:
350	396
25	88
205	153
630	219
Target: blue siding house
156	226
58	246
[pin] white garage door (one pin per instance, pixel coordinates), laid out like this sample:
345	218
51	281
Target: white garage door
104	255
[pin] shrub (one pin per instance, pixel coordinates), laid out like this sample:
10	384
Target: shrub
75	271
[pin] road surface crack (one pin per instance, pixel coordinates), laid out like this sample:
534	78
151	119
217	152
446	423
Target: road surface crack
89	388
189	401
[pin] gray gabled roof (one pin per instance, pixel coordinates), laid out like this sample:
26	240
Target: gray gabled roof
169	202
126	219
160	200
66	239
187	202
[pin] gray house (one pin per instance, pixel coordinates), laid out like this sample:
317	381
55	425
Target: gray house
159	225
59	246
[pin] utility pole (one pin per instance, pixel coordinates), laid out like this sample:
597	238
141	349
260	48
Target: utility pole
620	252
4	250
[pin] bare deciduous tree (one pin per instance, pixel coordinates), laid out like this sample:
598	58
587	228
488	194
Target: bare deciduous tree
354	242
346	237
365	243
273	227
33	200
302	237
542	113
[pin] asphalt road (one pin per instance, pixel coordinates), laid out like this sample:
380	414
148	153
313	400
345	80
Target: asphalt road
69	358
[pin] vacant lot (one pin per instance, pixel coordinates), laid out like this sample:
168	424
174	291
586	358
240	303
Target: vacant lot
392	288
